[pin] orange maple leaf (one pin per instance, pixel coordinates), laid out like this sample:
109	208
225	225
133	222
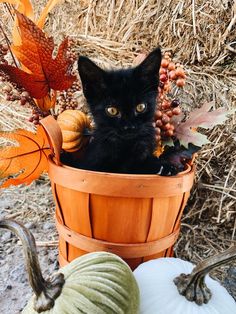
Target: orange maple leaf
35	53
25	7
27	160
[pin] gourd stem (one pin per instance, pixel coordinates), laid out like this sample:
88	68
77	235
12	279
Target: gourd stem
193	285
46	291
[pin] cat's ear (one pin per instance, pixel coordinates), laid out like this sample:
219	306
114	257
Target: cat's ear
92	77
151	64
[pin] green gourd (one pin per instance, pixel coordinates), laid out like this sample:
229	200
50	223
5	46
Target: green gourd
95	283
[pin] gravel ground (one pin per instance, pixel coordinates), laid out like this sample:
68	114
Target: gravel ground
17	203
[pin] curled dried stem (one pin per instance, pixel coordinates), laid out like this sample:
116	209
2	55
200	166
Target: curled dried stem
46	291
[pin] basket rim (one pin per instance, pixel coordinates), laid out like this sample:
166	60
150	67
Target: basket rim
120	185
119	175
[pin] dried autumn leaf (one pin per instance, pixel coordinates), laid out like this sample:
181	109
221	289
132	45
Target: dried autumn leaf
25	7
186	132
35	53
28	159
47	102
49	6
159	150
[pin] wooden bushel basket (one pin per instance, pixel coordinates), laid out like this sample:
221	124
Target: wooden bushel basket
134	216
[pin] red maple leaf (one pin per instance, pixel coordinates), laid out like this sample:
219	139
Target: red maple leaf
35	53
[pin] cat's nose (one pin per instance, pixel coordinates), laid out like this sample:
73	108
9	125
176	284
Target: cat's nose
129	127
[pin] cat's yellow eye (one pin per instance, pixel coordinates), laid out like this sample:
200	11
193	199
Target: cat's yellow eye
112	111
141	108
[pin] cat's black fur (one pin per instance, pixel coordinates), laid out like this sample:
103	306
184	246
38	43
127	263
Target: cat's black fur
122	144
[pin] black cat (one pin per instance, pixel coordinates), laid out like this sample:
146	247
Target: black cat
122	103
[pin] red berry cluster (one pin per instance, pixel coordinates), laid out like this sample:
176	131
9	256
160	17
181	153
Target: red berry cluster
13	92
166	110
67	99
71	51
168	106
37	115
3	52
171	73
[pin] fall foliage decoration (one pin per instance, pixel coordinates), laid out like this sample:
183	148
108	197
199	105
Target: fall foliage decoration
171	76
178	155
26	160
177	132
33	82
35	53
186	130
25	7
74	125
175	128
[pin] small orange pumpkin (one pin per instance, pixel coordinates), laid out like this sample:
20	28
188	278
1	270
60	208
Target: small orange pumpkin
73	124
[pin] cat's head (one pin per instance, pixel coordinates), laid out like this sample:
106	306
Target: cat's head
124	99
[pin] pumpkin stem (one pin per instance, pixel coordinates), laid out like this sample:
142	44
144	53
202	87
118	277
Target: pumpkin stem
46	291
193	285
87	132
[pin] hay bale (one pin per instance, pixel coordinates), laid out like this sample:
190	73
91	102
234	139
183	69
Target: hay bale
201	35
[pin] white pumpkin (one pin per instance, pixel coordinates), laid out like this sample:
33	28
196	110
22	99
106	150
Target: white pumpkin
95	283
159	294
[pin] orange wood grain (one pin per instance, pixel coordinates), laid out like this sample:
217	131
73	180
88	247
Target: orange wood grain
124	220
165	210
75	207
62	247
116	219
170	251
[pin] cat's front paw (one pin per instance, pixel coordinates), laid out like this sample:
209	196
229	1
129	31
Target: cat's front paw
167	169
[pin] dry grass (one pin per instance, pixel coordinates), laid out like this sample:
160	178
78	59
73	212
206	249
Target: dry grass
201	35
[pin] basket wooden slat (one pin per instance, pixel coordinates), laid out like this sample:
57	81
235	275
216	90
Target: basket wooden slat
134	216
